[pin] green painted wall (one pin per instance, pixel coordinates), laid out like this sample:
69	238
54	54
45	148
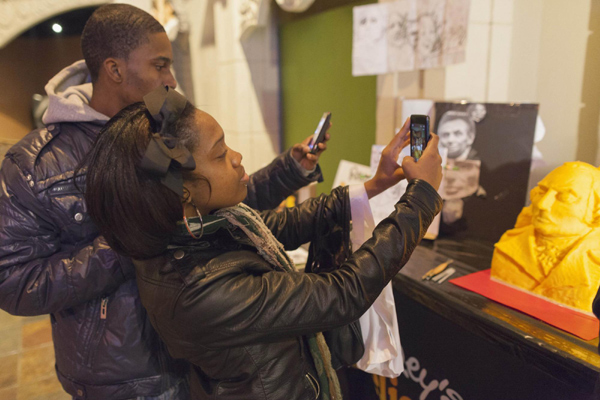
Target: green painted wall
316	76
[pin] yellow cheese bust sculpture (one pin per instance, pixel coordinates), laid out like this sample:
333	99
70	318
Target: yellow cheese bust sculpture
554	249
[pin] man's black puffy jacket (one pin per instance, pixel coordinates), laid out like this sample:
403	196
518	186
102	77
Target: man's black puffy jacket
240	322
52	261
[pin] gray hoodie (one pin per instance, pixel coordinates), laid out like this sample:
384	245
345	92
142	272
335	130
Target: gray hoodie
69	94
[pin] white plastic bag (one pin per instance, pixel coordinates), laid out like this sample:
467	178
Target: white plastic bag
379	325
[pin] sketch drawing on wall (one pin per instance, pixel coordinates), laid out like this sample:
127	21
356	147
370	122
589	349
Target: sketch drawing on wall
455	31
401	35
408	34
430	24
369	45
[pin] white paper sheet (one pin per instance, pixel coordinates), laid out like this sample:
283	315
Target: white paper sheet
369	44
417	106
455	31
401	35
430	37
350	173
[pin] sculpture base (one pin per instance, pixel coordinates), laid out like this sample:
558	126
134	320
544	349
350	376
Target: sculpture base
577	323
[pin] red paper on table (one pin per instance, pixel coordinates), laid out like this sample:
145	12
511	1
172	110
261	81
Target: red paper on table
577	323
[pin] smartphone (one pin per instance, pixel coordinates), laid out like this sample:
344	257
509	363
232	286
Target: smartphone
320	132
419	135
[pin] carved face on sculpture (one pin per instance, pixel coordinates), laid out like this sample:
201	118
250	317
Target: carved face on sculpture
564	203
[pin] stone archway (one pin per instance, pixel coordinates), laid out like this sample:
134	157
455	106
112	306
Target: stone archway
30	61
20	15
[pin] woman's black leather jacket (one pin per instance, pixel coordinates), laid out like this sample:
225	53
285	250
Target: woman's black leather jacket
240	321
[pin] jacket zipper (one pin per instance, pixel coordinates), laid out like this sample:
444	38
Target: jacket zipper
314	384
96	327
103	307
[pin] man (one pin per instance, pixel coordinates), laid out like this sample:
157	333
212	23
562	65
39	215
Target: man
457	133
52	259
553	249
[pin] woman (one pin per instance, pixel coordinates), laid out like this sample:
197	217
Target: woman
218	286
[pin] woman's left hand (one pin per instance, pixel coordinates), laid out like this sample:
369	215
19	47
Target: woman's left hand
389	172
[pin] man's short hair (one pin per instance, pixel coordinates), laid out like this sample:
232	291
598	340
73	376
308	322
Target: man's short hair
115	30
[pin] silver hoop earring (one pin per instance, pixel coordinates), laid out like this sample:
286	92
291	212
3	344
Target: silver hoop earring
188	226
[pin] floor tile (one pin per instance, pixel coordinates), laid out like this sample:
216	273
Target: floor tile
8	372
10	341
37	364
9	393
36	333
8	321
45	389
61	395
27	359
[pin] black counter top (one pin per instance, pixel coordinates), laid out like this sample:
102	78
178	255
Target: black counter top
565	357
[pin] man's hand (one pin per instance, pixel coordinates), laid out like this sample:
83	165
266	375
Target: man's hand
301	152
389	172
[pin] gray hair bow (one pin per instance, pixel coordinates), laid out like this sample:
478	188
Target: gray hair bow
165	157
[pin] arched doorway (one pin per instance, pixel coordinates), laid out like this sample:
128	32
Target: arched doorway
32	52
19	16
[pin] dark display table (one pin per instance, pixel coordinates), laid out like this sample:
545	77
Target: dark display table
460	345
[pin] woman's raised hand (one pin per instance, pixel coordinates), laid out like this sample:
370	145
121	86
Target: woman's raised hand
388	171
